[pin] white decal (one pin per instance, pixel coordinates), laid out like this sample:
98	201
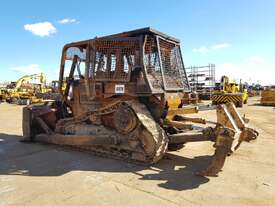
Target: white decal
120	89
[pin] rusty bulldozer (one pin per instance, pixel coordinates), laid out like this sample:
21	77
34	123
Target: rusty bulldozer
123	99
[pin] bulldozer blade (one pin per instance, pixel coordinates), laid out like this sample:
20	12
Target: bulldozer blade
223	147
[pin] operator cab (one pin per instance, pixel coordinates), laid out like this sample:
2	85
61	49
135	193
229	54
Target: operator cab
137	63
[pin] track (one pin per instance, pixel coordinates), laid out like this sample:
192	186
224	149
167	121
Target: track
145	143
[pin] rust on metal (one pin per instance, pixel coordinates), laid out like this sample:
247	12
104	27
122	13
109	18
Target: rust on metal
124	99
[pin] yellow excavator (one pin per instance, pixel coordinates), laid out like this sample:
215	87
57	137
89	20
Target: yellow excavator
24	90
229	91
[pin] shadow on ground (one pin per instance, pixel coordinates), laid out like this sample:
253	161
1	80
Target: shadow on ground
34	159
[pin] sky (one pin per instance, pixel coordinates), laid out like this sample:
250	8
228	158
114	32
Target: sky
237	36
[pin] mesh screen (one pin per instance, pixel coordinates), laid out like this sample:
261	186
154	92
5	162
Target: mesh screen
173	69
113	59
152	63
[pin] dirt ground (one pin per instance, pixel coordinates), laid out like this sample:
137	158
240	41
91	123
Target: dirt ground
35	174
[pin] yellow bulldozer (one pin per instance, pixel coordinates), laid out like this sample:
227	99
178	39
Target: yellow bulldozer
123	100
26	89
229	91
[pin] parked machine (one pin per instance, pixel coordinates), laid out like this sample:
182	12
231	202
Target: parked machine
268	96
26	89
2	95
229	91
3	92
123	100
55	86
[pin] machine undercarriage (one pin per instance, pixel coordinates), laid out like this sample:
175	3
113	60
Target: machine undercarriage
127	130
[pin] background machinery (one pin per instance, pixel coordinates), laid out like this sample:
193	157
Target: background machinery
229	91
55	86
26	89
123	100
268	96
3	91
2	94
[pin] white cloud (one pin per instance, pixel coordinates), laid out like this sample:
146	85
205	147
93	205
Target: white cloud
255	60
220	46
204	49
201	50
41	29
67	21
29	69
252	70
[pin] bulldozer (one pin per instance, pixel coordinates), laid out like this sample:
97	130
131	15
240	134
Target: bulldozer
229	91
26	89
123	100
